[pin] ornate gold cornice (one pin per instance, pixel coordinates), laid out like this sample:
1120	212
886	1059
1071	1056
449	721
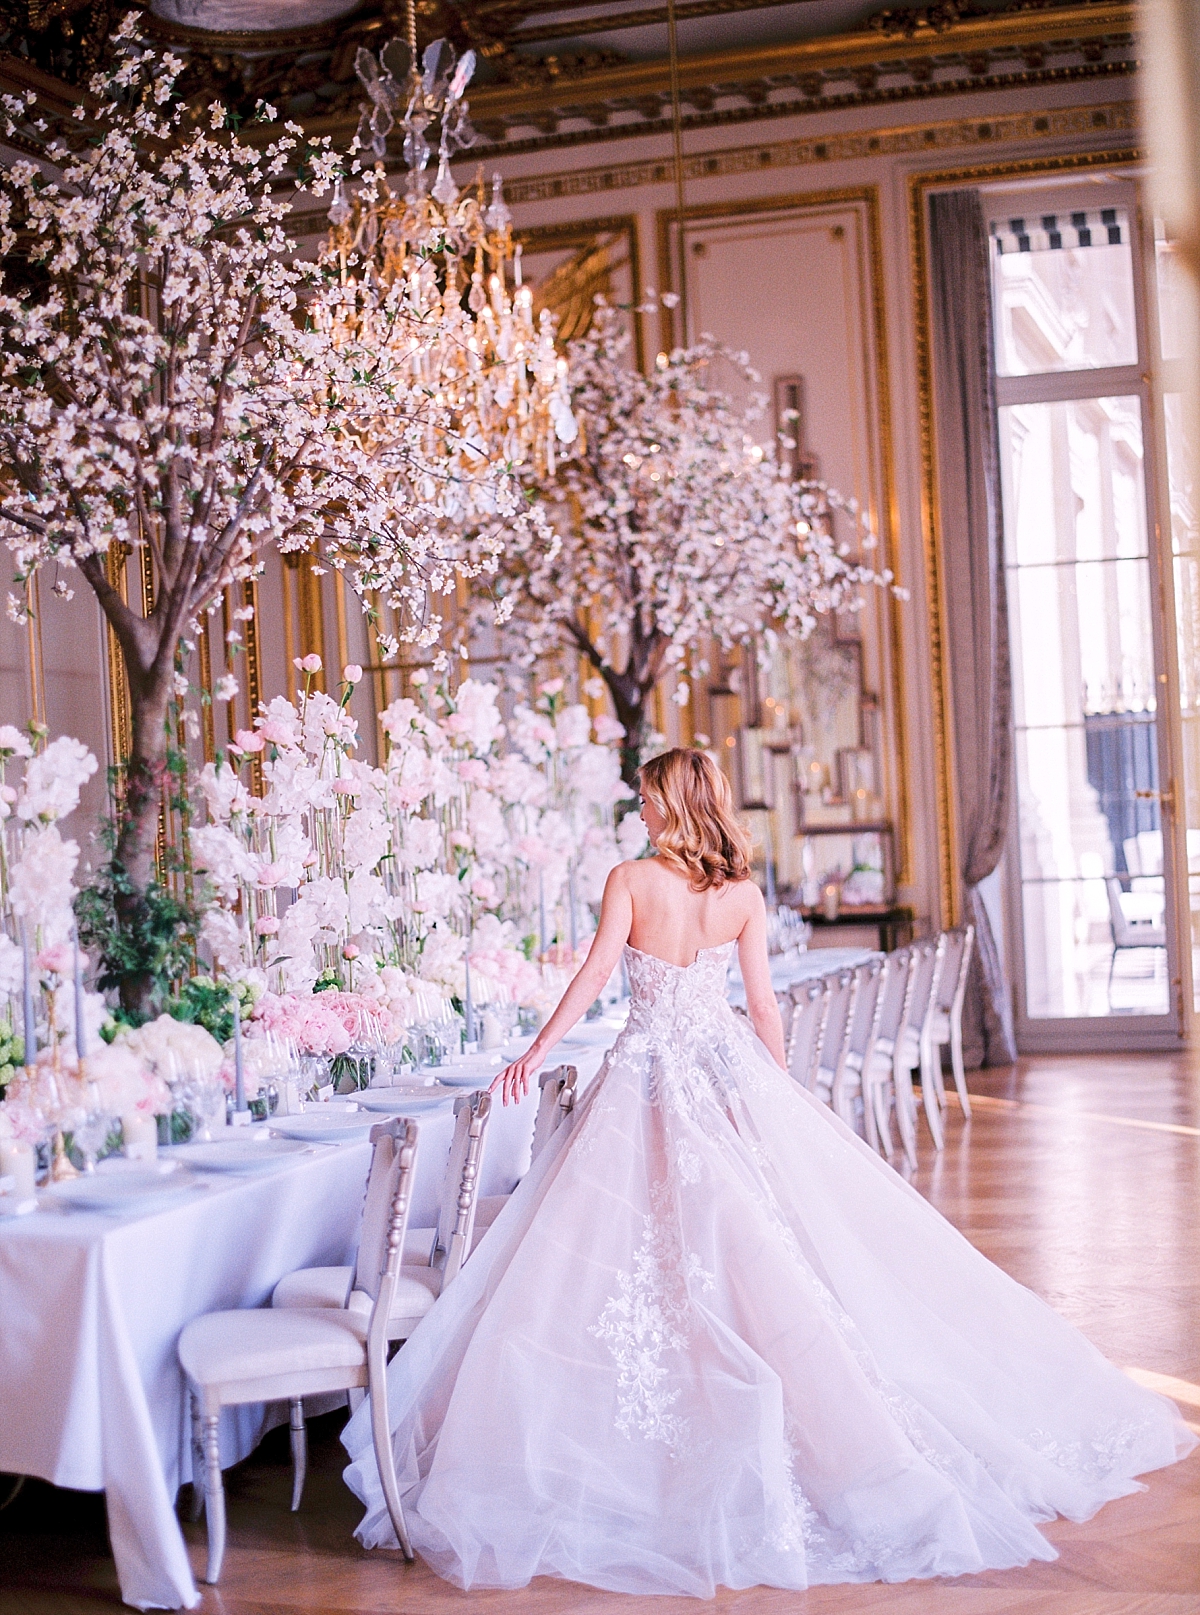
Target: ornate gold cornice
865	48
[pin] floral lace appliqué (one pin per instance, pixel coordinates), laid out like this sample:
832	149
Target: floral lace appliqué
649	1317
1092	1460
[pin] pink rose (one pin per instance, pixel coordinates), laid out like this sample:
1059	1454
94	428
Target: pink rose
267	926
246	740
352	673
59	958
308	664
277	734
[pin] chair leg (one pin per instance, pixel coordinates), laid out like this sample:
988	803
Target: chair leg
214	1498
299	1451
932	1085
906	1111
870	1116
881	1100
960	1071
197	1503
385	1458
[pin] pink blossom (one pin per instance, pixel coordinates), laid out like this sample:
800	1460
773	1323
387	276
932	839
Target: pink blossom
268	925
308	664
56	959
473	771
246	740
275	734
352	673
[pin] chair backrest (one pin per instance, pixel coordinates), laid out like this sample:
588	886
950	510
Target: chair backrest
1116	914
864	1020
927	954
843	986
385	1211
894	991
810	1004
460	1186
555	1103
956	960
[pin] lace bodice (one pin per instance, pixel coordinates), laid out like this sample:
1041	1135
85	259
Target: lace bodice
664	996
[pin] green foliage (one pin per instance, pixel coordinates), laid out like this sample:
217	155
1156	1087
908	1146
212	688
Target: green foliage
144	937
207	1003
12	1053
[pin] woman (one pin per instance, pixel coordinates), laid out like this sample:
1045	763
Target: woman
713	1340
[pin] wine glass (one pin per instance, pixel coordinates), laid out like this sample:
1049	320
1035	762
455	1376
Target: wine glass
92	1125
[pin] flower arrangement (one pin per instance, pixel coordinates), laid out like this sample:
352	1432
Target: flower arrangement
350	895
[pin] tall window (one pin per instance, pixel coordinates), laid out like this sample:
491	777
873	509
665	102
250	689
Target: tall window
1072	423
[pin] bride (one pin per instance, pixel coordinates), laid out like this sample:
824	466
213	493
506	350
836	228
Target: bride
713	1339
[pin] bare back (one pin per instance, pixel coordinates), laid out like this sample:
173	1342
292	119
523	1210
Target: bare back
675	923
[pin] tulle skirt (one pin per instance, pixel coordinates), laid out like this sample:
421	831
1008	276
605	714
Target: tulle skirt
714	1340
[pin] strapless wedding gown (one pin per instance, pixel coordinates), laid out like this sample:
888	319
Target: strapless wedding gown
714	1340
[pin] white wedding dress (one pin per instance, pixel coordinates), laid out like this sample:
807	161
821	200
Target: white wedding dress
713	1340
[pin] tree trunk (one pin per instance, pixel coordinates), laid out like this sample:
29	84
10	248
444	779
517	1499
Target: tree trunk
629	704
138	815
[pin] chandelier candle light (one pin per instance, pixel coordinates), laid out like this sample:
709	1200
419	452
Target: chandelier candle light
484	355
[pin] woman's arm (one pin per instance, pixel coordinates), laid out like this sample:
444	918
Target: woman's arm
756	978
616	916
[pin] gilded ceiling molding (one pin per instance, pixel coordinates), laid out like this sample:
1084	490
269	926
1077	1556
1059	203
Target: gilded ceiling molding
851	100
903	140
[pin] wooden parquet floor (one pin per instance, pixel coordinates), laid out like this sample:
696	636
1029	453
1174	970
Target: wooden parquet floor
1080	1176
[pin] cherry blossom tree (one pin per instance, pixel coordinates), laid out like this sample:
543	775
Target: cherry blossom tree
174	379
674	529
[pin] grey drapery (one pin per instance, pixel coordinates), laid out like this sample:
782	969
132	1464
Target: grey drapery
974	588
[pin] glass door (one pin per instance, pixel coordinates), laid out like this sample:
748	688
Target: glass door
1093	910
1174	328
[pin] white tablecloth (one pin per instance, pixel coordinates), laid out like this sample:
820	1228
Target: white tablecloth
92	1305
789	968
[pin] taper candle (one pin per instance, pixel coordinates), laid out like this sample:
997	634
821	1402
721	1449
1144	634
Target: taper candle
30	1023
468	1006
239	1071
80	1038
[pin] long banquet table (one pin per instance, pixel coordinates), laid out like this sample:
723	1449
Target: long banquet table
92	1304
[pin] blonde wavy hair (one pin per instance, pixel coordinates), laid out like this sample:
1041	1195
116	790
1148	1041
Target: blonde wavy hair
702	838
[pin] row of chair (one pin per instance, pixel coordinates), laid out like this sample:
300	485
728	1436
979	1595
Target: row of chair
331	1329
855	1036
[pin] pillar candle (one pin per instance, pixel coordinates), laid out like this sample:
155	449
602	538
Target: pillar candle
140	1134
17	1161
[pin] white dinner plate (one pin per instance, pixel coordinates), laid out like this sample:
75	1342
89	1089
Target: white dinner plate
399	1101
475	1075
323	1126
238	1154
118	1191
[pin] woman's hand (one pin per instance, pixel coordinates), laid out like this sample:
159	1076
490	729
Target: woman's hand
514	1079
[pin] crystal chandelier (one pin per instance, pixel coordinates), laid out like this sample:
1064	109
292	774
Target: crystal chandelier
447	257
